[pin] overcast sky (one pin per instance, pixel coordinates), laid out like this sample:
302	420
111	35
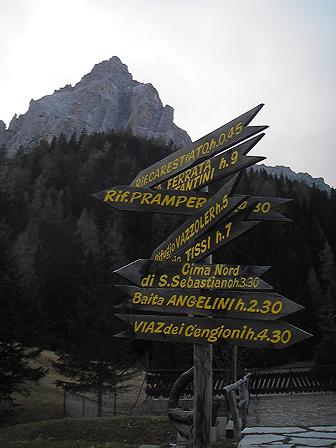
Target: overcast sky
210	60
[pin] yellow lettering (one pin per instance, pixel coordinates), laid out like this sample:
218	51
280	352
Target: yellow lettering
146	197
109	195
181	200
135	195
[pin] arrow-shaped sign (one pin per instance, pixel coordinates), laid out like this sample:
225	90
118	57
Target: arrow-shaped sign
126	198
216	141
214	168
160	274
235	304
219	235
250	333
263	208
138	199
220	205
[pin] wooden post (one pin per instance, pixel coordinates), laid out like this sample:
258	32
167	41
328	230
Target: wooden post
244	399
64	404
202	427
115	400
234	363
202	395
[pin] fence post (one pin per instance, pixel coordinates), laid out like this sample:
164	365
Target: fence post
244	399
235	414
202	396
235	363
115	400
291	381
64	404
256	383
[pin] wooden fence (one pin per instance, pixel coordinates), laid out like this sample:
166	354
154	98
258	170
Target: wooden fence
239	409
294	380
76	405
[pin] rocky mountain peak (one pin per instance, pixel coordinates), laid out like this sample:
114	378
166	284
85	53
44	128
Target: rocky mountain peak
113	69
105	99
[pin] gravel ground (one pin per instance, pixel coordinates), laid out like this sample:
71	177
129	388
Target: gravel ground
299	409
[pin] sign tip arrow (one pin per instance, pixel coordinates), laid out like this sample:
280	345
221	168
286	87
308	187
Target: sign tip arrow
122	334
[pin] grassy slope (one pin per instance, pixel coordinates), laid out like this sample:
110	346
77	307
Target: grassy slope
122	431
37	422
117	432
44	402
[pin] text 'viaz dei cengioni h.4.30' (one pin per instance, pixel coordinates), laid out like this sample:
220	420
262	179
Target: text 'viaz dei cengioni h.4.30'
203	303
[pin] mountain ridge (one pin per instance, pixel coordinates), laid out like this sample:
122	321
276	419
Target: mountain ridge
105	99
286	171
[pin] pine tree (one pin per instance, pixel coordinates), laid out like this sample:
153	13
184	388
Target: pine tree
326	350
94	361
328	281
312	300
89	234
16	370
15	367
3	155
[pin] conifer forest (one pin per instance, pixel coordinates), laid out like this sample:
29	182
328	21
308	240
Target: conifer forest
59	247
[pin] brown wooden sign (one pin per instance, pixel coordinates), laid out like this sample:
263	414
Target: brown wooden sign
214	168
161	274
153	201
263	208
220	205
219	235
147	200
235	304
222	138
203	330
171	282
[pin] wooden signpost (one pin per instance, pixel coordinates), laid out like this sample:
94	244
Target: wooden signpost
263	208
217	302
219	206
219	235
204	330
137	199
215	168
213	143
160	274
206	303
146	200
215	210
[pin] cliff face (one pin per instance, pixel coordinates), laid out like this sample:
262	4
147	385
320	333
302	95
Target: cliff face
105	99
